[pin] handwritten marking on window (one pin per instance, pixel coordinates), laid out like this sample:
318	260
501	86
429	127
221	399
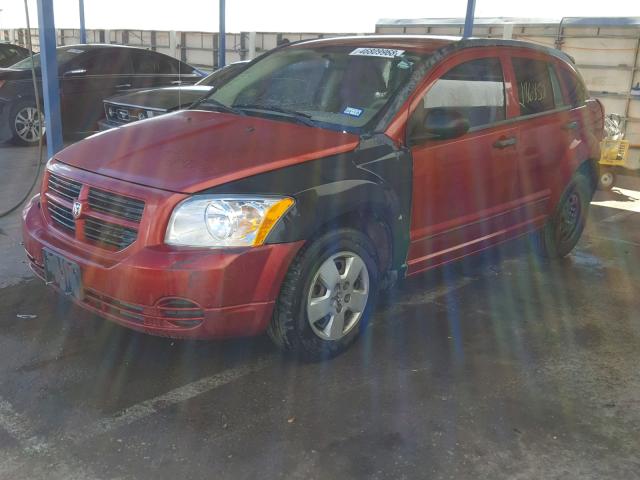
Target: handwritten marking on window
532	91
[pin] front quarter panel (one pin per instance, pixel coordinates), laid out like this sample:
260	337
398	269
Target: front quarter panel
373	181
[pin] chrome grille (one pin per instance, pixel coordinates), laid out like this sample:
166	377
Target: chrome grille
64	187
110	234
107	231
119	206
61	215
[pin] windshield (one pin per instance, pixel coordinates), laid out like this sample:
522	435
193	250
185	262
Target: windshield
223	75
63	55
341	88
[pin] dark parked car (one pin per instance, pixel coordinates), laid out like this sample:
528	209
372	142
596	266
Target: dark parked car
87	75
130	107
10	54
323	171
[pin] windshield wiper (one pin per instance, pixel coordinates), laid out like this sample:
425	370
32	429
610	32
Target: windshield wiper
214	104
301	117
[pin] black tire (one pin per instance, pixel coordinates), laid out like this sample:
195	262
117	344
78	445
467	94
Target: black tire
290	329
562	231
606	179
19	109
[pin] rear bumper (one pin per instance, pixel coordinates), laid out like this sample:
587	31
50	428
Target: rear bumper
182	293
5	129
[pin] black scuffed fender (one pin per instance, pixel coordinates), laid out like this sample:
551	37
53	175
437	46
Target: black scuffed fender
374	181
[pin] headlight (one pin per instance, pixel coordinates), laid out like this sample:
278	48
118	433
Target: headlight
225	221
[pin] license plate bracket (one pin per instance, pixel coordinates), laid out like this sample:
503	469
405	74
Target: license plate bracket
64	274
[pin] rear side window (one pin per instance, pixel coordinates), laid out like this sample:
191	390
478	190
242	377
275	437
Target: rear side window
149	63
535	87
107	62
168	66
152	63
475	89
576	93
180	67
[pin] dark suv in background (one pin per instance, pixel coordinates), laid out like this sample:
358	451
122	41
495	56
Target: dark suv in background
87	74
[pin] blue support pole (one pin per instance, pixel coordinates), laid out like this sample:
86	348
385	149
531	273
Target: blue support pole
49	69
222	44
468	20
83	31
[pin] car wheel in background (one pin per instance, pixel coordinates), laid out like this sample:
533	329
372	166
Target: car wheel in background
327	296
26	125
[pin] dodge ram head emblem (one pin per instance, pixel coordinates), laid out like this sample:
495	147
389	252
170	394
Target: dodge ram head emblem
77	209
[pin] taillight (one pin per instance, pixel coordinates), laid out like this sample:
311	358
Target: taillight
2	82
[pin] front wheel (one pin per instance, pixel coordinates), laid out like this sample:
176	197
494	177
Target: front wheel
26	125
327	296
565	226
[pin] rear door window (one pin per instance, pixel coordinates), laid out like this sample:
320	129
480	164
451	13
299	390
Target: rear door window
145	63
109	62
152	63
535	79
175	67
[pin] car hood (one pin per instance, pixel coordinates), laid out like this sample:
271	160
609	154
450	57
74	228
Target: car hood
167	98
191	150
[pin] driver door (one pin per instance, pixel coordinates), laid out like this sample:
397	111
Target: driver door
463	187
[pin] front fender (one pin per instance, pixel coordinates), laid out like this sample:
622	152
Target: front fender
373	181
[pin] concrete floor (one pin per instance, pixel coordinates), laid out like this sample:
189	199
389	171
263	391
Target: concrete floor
500	367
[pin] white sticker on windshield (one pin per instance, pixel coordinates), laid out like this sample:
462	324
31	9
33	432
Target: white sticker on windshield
354	112
75	50
377	52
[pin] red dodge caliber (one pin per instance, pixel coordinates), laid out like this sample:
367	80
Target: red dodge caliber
326	170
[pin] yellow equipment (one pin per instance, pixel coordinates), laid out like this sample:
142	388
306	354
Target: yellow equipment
614	152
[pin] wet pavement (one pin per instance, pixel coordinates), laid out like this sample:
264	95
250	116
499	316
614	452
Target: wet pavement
499	367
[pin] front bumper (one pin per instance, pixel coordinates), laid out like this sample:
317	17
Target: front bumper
105	124
182	293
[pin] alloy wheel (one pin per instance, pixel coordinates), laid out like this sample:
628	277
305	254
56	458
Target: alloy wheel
338	296
28	125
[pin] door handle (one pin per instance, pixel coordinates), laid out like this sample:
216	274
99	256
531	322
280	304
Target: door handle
505	142
176	82
124	85
571	125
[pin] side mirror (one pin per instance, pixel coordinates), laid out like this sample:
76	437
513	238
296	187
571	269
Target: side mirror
441	123
78	72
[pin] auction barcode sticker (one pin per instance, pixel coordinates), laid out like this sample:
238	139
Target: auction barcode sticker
377	52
